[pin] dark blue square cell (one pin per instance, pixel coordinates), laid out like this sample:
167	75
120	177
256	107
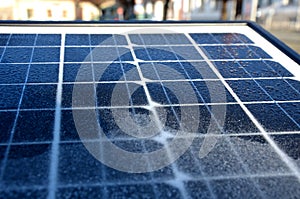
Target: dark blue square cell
48	40
258	69
290	144
17	55
13	73
204	38
22	40
226	38
135	39
198	189
166	70
68	131
34	126
43	73
78	95
10	96
216	52
235	188
27	165
161	53
77	165
237	121
131	72
1	51
295	84
76	54
161	94
260	52
77	40
39	96
243	38
248	91
143	191
165	190
7	120
230	69
80	192
293	109
272	118
188	163
212	92
283	72
149	71
118	94
186	53
78	72
108	72
108	39
46	55
279	89
153	39
24	193
241	52
176	38
4	39
125	54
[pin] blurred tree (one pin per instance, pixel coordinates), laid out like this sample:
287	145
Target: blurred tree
166	7
224	10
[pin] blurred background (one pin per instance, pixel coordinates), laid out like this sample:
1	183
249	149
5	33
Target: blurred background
280	17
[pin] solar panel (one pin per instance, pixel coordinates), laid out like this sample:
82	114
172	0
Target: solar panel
150	110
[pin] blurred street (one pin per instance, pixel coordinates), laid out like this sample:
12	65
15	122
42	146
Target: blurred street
289	37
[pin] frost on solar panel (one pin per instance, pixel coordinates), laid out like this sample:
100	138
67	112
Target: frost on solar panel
147	111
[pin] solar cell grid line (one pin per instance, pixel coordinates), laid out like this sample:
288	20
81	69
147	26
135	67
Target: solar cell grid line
284	157
6	154
54	161
261	194
179	184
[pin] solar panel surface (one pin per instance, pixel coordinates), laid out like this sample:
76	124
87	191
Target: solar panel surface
84	111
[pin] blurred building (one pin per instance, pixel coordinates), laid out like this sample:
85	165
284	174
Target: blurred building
46	10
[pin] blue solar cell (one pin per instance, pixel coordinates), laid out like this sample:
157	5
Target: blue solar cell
279	69
80	192
131	191
248	90
68	131
25	194
193	188
216	52
71	72
260	52
272	118
17	55
39	96
295	84
279	90
161	53
77	166
173	38
202	88
164	190
148	39
230	69
290	144
105	91
226	38
258	69
48	40
237	121
84	99
203	38
235	188
241	52
243	38
34	159
6	125
10	96
22	40
74	54
34	126
293	109
43	73
13	73
186	53
77	39
46	55
162	94
4	39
